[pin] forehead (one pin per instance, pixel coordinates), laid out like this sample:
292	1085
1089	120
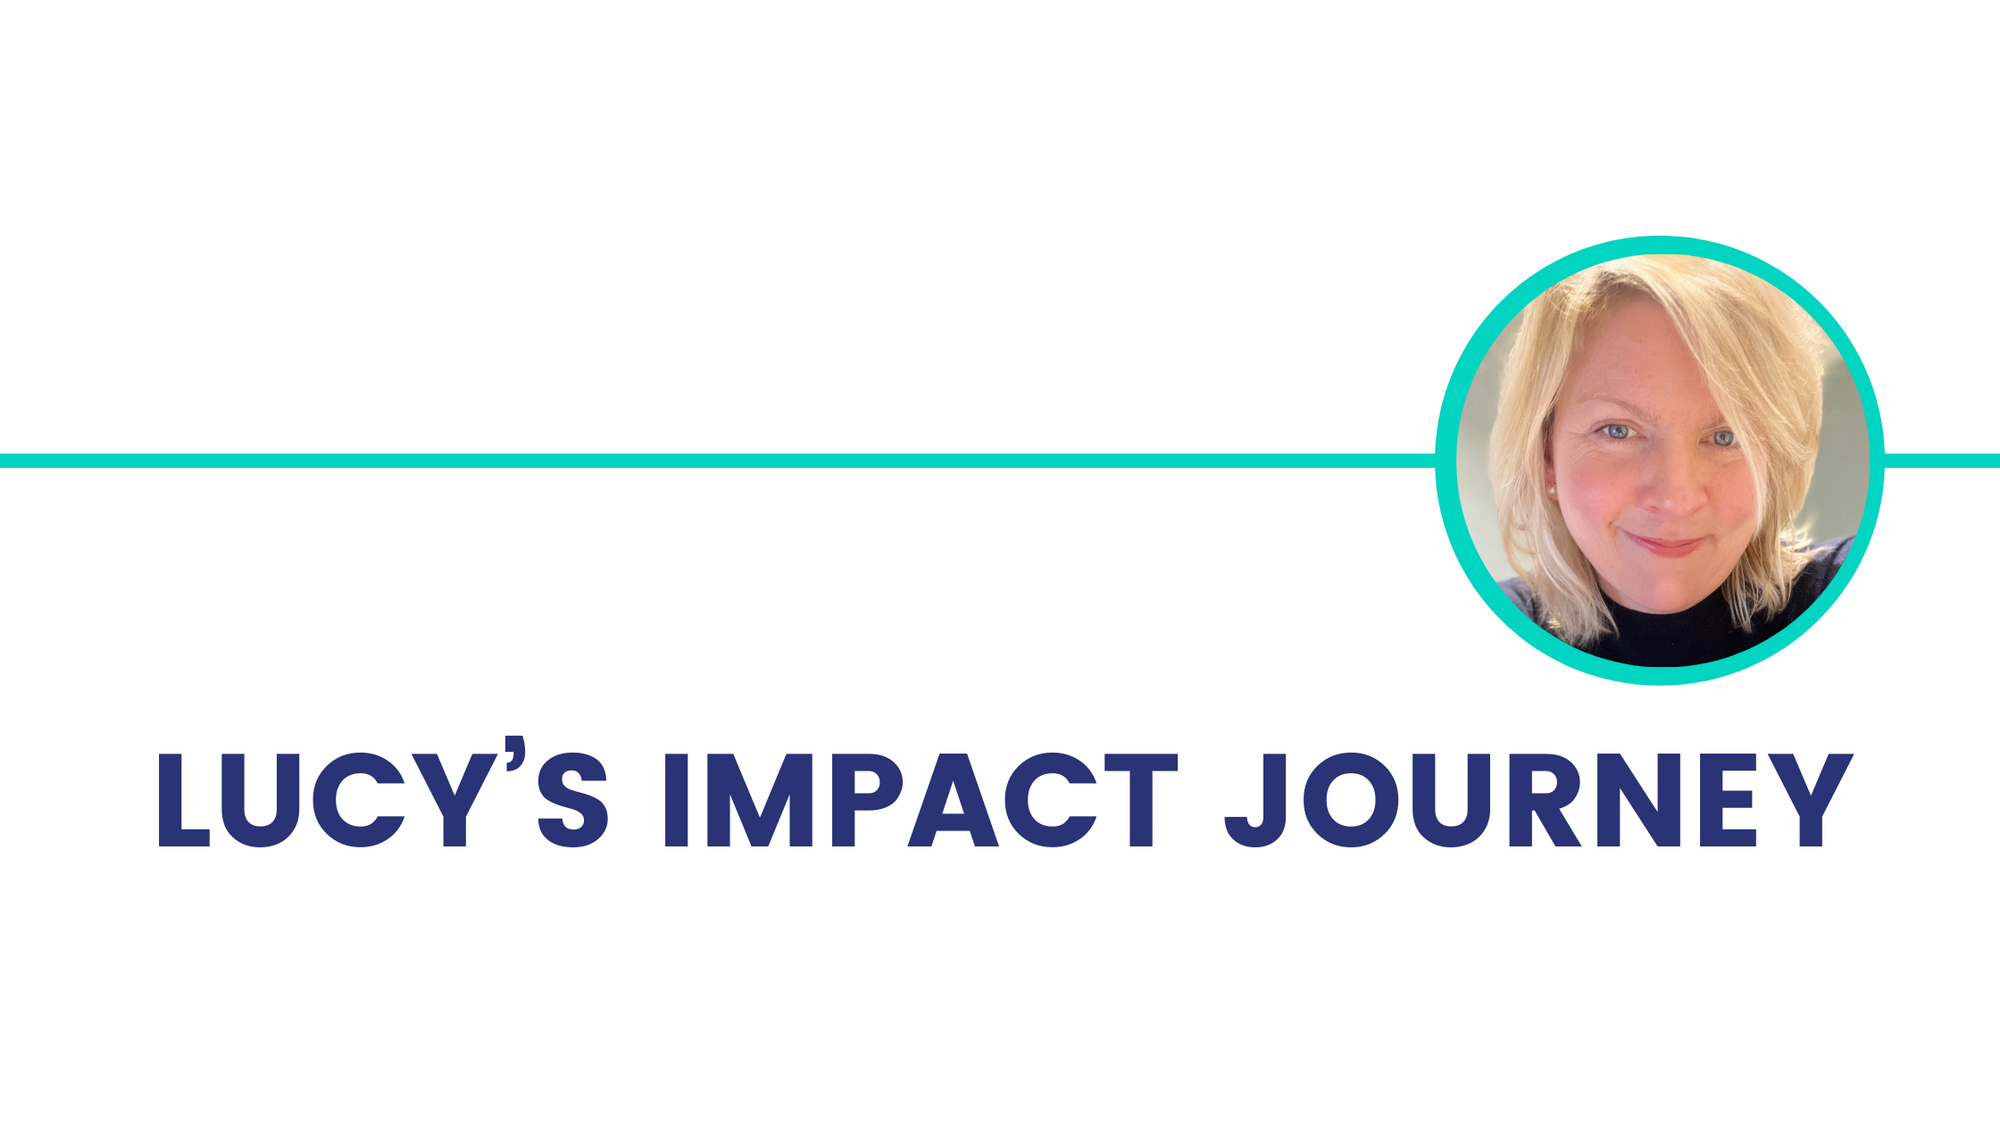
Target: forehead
1635	356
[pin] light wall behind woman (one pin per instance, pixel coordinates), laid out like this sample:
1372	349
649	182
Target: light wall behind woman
1833	506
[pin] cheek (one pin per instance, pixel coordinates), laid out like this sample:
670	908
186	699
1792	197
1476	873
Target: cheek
1733	493
1595	491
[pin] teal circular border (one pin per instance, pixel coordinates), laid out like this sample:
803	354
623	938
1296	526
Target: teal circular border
1446	454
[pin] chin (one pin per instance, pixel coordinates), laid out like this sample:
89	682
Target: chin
1673	602
1670	596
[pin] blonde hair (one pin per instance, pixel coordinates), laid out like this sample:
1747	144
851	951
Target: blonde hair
1763	359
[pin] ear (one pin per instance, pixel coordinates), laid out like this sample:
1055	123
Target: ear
1548	452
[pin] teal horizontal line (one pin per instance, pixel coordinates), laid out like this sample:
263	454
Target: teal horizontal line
1941	460
809	460
717	461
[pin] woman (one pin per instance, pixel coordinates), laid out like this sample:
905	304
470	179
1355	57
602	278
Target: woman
1659	417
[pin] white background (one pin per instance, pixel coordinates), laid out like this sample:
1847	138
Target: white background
861	228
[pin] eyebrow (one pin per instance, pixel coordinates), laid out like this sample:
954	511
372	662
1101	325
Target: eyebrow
1609	400
1618	402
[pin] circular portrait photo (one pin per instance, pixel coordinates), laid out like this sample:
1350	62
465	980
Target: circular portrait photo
1663	462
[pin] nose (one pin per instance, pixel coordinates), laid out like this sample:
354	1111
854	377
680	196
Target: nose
1675	482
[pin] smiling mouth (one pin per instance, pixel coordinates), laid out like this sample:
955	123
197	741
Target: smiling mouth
1666	548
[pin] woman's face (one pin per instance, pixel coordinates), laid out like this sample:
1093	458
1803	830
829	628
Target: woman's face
1651	482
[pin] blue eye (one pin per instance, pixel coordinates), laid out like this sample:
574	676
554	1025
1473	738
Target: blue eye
1724	438
1617	431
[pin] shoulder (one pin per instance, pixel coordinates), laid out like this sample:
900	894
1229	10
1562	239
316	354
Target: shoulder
1826	561
1523	598
1823	563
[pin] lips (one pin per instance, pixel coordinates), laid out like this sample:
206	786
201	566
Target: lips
1666	548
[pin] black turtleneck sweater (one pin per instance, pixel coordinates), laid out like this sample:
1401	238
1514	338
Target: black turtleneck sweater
1703	632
